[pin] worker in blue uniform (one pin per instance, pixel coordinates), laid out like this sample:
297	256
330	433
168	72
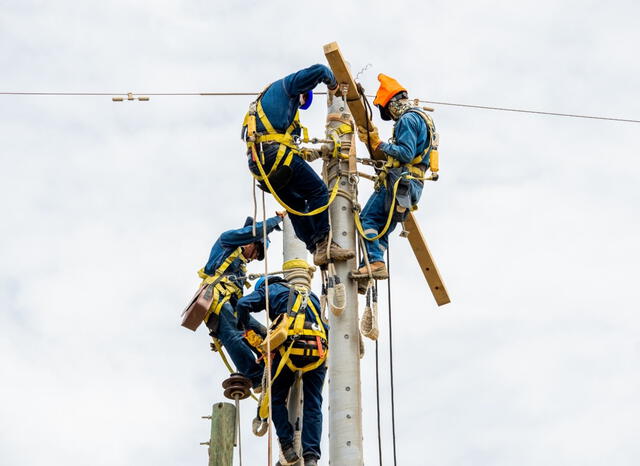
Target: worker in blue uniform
272	131
227	268
401	181
304	350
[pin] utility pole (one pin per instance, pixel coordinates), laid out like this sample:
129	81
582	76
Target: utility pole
292	249
223	434
345	399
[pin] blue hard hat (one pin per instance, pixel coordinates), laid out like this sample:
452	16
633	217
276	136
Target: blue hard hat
259	243
272	279
308	98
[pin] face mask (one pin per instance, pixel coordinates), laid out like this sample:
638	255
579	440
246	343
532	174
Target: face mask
398	107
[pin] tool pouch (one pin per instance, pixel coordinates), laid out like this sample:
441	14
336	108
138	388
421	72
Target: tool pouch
197	309
278	334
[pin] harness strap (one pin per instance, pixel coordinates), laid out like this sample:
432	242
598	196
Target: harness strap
265	178
394	163
299	307
223	288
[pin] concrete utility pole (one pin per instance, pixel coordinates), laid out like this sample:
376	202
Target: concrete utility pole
293	248
345	400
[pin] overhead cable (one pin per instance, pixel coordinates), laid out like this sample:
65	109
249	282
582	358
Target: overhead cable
432	102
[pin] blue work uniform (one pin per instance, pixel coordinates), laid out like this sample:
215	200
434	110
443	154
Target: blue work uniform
312	381
410	138
228	331
305	191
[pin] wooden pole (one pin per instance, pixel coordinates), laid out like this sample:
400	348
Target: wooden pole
223	433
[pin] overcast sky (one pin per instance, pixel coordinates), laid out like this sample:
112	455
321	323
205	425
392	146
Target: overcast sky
108	209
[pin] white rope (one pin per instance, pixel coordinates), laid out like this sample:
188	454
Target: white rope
238	430
268	321
255	209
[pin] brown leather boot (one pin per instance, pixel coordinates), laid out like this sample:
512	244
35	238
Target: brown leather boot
336	253
378	271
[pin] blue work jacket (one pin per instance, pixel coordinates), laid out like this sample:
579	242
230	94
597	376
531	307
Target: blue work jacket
282	99
229	241
411	136
278	301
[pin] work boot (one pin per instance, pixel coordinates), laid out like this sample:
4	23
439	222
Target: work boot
289	455
310	460
336	252
378	271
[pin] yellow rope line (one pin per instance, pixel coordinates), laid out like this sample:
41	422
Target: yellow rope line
265	178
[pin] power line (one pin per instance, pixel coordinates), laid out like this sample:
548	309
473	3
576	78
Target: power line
219	94
118	94
535	112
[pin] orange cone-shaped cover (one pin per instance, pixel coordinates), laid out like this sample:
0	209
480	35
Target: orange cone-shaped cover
388	88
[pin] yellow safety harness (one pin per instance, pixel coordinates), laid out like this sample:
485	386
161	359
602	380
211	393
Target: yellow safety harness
288	148
431	150
223	287
309	341
287	141
414	172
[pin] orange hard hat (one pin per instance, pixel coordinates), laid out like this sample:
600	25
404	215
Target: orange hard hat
388	88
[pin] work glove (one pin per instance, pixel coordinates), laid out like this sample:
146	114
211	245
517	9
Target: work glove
334	90
370	137
310	154
326	150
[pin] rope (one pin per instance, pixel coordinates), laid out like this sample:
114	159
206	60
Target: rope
255	210
336	181
266	181
218	349
239	431
378	400
268	358
393	405
369	114
389	218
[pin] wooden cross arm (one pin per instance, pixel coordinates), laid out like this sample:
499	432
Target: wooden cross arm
343	76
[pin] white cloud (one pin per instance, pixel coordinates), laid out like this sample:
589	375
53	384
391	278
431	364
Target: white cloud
533	224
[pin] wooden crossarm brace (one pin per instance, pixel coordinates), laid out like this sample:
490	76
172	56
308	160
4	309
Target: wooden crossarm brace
427	264
343	76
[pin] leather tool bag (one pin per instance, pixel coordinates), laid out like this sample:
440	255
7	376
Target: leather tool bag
197	309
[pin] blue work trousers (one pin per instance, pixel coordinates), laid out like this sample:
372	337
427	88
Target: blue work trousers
312	382
232	339
304	192
374	218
